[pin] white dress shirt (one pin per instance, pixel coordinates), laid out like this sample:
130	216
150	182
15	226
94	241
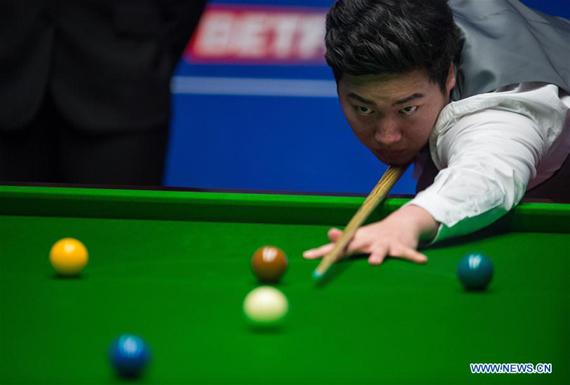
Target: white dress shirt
490	149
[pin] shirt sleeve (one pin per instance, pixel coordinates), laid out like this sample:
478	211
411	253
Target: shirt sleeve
487	159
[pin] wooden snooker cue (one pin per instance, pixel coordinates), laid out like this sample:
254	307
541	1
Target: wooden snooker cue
381	189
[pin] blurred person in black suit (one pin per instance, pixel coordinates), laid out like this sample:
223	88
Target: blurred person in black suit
85	88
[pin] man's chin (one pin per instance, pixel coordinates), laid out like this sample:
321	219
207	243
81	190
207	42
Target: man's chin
399	160
398	163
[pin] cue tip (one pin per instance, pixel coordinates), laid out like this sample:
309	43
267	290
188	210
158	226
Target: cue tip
317	275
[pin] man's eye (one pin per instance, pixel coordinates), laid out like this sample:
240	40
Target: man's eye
363	110
409	110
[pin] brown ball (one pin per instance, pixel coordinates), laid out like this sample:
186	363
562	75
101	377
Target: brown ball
269	263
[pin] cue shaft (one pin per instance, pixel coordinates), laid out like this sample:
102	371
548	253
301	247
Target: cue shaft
382	188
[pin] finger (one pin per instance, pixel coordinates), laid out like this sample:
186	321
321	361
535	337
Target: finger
318	252
361	243
408	254
377	257
334	234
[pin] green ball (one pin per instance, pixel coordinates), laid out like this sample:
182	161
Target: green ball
475	271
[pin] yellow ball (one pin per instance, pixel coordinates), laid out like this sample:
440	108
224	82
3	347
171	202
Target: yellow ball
68	256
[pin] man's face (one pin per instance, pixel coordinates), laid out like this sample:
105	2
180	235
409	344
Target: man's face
393	115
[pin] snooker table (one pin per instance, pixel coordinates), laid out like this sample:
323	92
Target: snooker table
173	266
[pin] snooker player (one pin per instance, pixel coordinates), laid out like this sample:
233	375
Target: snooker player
476	93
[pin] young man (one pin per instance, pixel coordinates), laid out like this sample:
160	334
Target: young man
473	91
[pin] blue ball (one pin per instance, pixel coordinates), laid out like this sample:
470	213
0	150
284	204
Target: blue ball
475	271
129	354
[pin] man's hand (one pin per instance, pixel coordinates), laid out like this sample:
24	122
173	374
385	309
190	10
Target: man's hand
396	236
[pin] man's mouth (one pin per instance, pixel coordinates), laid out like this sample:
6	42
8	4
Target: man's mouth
395	157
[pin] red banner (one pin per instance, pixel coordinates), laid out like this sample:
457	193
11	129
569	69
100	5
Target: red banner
258	35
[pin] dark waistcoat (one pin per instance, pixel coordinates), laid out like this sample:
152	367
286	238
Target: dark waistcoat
504	42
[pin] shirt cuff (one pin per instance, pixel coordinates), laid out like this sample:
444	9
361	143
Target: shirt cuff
440	209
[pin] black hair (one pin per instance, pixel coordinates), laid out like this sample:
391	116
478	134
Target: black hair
365	37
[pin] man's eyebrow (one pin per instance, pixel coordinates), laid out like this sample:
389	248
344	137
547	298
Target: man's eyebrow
409	98
397	102
360	98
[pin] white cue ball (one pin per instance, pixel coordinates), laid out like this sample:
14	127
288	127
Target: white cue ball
265	305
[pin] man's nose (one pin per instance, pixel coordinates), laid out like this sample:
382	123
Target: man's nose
387	132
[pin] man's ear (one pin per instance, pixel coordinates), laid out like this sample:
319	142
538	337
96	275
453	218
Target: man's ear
450	82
